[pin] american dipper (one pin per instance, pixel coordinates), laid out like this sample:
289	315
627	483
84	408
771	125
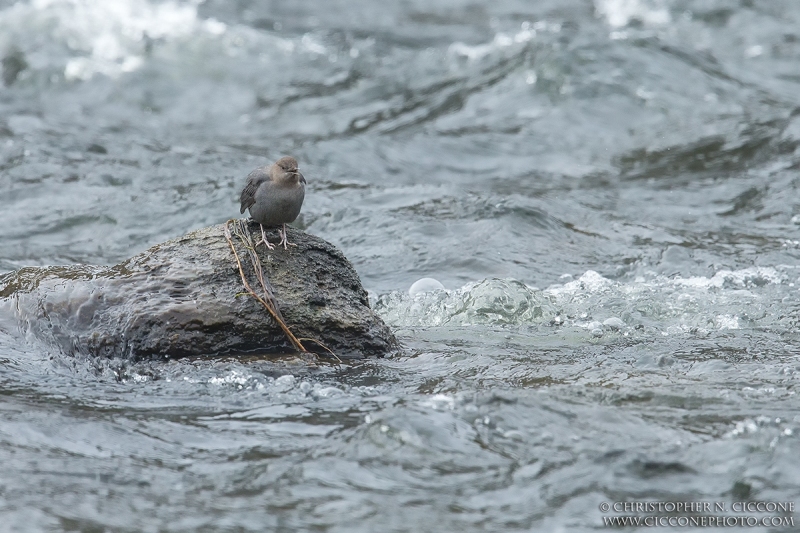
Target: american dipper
274	196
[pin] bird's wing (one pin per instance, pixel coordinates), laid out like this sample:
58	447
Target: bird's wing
254	179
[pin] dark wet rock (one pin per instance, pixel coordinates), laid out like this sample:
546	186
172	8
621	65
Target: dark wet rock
184	298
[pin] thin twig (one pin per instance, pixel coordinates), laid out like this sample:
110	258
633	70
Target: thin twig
247	241
320	344
272	310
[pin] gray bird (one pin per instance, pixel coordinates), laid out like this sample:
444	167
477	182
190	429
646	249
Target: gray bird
274	196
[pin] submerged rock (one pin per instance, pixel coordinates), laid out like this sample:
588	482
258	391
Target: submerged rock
185	297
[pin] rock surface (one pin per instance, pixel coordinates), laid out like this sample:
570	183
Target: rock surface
184	298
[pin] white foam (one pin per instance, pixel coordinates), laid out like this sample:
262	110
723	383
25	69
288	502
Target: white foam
694	305
234	377
739	278
502	40
313	45
619	13
439	402
727	322
589	282
106	37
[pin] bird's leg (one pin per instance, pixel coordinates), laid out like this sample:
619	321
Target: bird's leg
285	239
264	240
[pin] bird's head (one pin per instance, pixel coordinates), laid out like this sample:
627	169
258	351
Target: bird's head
285	170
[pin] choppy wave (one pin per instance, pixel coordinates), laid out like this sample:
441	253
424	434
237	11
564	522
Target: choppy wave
619	13
83	37
649	148
699	305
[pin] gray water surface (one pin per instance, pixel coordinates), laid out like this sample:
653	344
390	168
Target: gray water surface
607	190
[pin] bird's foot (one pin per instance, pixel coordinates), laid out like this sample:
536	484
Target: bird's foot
285	239
264	240
267	244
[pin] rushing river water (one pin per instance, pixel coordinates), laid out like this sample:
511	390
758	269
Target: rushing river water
607	190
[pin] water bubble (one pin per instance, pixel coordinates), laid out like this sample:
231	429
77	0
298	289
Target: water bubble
425	285
284	383
614	323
